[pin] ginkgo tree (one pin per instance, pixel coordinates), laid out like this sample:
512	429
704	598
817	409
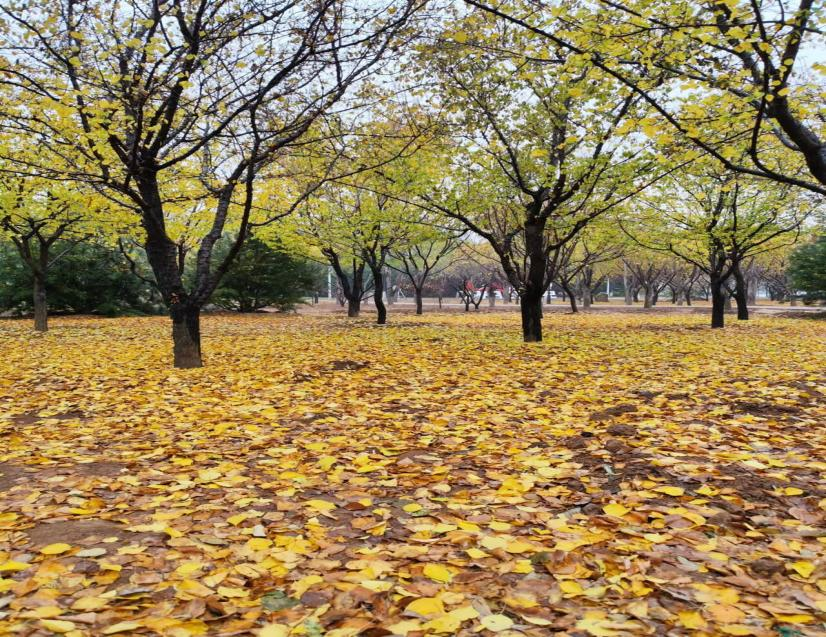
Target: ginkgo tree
45	220
143	92
545	148
742	81
363	212
714	220
426	253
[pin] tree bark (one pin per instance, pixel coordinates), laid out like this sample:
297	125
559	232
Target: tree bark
741	294
718	302
417	293
531	309
41	307
186	337
649	297
586	297
378	297
353	307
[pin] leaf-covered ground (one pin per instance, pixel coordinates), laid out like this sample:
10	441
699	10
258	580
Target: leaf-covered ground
632	475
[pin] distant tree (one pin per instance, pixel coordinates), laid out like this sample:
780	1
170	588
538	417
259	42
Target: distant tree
807	268
92	279
265	276
44	220
424	257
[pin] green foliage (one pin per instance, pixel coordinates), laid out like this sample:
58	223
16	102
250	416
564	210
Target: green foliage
264	276
88	279
807	268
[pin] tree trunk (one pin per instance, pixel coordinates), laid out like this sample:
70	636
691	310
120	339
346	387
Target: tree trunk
419	305
531	310
571	298
353	307
741	295
378	294
186	337
626	284
649	297
41	308
718	303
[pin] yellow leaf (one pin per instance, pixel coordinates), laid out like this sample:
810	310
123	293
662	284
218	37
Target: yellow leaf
57	625
674	491
188	568
496	623
325	462
300	587
11	565
259	543
426	606
121	627
437	573
803	568
45	612
412	507
518	546
235	520
691	619
90	603
274	630
617	510
476	554
56	549
322	506
570	587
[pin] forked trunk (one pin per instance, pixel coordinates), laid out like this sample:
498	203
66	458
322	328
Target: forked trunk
186	337
531	309
41	307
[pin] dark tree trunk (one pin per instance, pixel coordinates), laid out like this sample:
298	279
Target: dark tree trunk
41	308
649	297
186	336
741	294
417	293
531	309
378	297
353	307
571	297
718	302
